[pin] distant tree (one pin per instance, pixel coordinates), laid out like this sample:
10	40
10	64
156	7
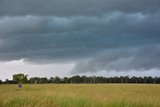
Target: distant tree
65	80
55	80
1	82
134	79
43	80
126	79
51	80
150	79
76	79
34	80
20	78
145	79
157	80
7	81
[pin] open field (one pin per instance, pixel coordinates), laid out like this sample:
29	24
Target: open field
80	95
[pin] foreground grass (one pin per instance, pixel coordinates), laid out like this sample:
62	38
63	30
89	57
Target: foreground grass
80	95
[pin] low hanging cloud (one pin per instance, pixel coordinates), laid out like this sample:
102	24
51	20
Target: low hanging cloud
96	35
141	58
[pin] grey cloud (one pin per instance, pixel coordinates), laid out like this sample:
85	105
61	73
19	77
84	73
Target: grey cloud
117	22
75	7
139	58
107	42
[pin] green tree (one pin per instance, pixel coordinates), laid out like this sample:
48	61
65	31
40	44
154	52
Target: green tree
43	80
57	80
20	78
34	80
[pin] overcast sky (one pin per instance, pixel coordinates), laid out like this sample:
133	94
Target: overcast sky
84	37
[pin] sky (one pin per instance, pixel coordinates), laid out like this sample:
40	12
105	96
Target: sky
48	38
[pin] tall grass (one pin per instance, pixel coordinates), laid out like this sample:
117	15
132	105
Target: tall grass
80	95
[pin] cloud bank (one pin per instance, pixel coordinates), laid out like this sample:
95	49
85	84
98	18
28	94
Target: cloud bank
111	35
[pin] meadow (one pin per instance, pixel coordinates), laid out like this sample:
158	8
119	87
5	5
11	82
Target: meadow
80	95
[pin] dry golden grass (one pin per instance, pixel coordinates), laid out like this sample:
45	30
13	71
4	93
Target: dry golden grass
80	95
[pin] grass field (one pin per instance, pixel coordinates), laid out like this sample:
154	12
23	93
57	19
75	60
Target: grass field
80	95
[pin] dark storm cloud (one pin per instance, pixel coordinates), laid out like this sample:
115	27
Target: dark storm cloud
138	58
100	35
75	7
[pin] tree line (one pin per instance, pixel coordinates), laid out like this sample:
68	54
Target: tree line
21	78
